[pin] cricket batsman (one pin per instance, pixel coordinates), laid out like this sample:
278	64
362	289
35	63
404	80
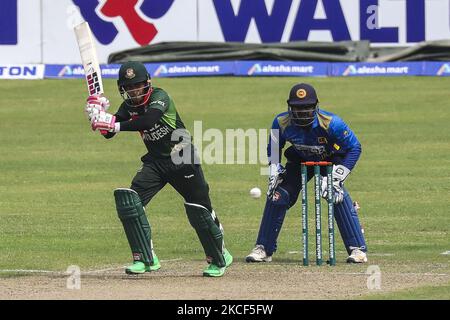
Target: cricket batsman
151	111
314	135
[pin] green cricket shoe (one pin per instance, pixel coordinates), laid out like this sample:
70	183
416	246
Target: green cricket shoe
156	265
214	271
139	267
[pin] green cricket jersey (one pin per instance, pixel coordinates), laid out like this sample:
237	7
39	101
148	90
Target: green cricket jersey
157	137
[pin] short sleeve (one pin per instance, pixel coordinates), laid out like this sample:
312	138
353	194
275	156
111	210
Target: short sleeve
159	100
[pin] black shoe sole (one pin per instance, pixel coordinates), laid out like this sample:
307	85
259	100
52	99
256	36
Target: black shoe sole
251	260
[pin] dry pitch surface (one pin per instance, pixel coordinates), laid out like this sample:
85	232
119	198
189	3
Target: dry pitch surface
181	280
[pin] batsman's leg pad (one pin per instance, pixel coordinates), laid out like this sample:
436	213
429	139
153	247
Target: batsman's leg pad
217	222
208	230
348	223
272	220
137	229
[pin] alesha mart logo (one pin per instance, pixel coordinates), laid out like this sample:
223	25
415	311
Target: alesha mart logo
256	68
66	70
161	70
444	69
69	71
101	15
351	69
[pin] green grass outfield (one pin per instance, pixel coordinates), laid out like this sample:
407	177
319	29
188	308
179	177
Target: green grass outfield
57	176
441	292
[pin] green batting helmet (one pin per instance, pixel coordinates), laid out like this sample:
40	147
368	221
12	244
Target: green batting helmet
132	72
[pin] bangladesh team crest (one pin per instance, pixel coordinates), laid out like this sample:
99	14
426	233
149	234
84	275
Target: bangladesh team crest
129	74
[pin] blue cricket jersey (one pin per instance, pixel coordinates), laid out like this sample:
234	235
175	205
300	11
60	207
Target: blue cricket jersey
329	138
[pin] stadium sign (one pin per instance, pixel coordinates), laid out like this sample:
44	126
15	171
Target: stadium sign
28	35
22	71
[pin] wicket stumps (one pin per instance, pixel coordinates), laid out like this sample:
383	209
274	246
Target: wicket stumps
318	211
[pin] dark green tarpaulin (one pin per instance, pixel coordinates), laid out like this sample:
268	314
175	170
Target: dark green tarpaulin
228	51
344	51
424	51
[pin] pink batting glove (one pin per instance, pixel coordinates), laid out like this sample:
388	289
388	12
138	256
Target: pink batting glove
98	100
104	122
94	105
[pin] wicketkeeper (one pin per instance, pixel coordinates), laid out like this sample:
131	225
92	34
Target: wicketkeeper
315	135
151	111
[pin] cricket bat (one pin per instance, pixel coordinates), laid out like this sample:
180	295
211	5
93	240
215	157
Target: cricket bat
89	59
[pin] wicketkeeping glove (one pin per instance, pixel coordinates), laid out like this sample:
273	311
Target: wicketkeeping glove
340	173
276	177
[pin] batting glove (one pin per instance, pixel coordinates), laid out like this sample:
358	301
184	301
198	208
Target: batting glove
105	122
95	104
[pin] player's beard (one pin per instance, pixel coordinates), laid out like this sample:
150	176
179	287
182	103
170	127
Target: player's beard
138	97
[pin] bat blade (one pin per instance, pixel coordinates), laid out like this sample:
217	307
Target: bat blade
89	58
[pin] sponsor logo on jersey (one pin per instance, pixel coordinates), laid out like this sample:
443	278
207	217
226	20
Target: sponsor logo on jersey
322	140
161	103
310	150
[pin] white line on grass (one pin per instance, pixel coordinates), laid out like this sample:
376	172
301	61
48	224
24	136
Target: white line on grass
28	271
66	273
